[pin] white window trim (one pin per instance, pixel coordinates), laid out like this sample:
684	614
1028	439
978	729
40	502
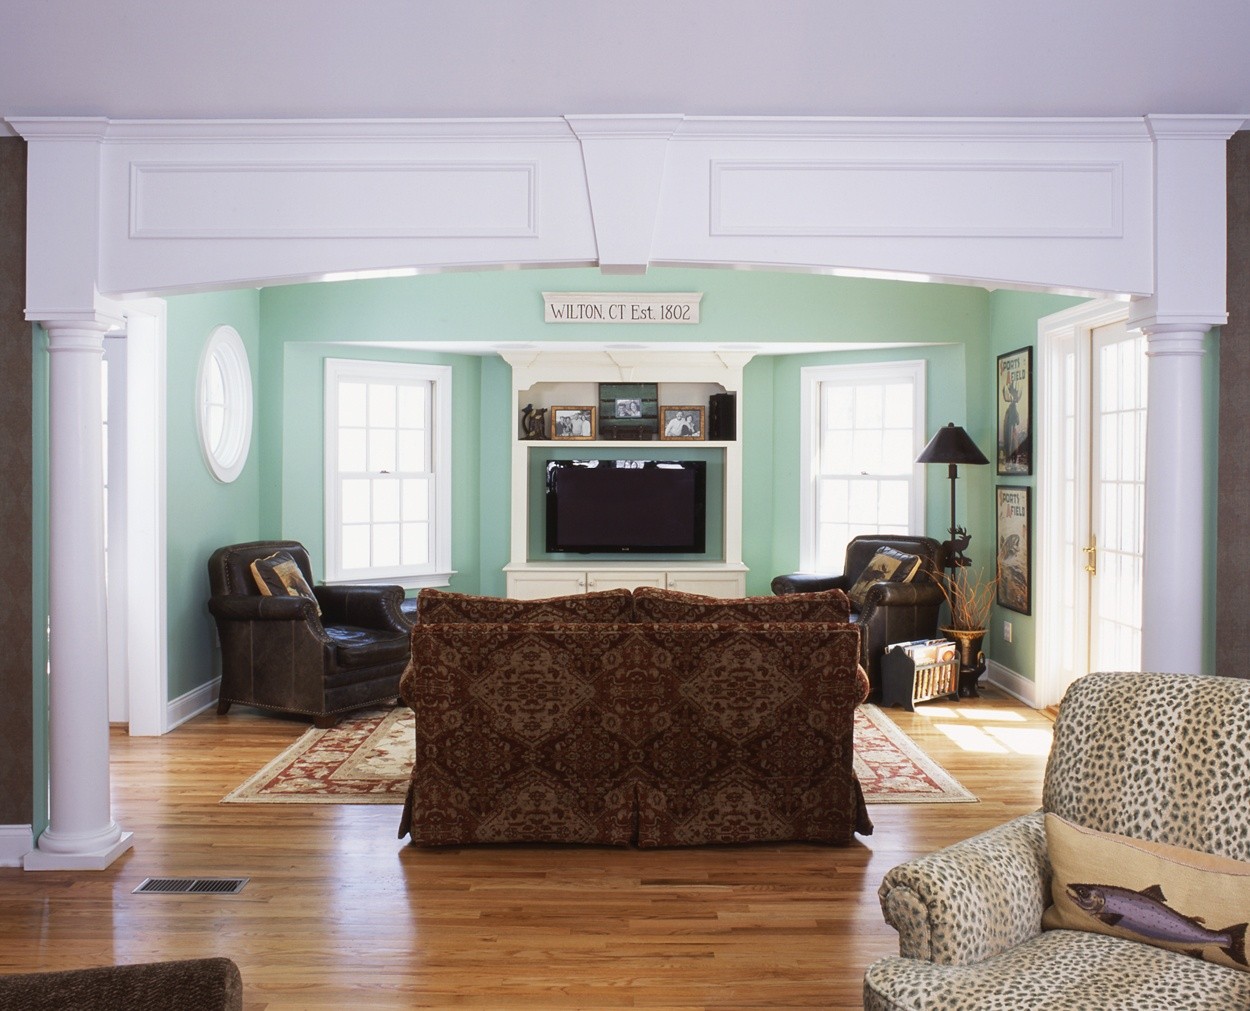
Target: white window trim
237	376
439	377
810	379
1057	334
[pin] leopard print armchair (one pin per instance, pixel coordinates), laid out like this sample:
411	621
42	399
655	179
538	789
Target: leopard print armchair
1161	757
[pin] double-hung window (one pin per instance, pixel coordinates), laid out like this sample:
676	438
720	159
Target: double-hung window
863	427
387	472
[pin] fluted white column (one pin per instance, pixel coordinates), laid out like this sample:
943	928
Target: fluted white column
1173	580
81	833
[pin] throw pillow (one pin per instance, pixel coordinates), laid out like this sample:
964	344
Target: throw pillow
279	575
444	607
887	564
654	604
1167	896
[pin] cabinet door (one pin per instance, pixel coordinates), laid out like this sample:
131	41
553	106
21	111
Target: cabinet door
710	584
533	585
617	579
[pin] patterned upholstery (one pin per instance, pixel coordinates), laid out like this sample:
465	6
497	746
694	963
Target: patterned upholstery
654	604
1154	756
445	607
651	734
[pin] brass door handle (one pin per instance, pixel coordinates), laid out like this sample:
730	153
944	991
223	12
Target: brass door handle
1091	558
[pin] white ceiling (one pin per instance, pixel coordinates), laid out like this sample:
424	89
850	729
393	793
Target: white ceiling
416	58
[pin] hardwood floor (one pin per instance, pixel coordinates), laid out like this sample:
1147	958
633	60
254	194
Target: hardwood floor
339	913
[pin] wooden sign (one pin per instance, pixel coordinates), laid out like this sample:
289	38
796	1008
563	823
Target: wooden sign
621	307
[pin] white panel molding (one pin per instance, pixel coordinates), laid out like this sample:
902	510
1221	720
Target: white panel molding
15	842
1014	684
328	200
907	128
999	199
191	704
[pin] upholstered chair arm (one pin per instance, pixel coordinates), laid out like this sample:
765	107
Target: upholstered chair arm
807	582
363	606
262	608
972	900
210	984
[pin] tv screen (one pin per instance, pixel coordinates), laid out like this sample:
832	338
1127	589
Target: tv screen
627	505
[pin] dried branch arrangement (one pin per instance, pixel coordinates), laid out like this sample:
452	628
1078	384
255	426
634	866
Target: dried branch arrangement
969	596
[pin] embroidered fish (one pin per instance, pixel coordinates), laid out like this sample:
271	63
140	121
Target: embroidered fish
1146	913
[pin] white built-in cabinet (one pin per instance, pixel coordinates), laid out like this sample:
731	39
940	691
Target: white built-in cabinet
547	378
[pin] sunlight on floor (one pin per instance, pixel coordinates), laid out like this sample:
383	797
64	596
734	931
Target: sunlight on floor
991	737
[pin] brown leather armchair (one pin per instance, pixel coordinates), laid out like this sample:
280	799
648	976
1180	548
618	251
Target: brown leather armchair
277	653
892	612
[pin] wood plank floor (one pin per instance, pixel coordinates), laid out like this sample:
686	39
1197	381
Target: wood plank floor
340	913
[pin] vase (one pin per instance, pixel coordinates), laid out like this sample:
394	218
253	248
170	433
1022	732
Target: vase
971	657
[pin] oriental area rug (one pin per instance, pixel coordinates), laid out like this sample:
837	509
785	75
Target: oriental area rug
367	759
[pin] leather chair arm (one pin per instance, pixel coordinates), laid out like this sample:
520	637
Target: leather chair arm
262	608
363	606
885	594
807	582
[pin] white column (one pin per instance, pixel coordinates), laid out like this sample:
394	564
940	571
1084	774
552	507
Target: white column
81	833
1173	584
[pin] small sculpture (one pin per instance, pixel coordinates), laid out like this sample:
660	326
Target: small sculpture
533	422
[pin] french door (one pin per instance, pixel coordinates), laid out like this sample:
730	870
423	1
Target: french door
1092	485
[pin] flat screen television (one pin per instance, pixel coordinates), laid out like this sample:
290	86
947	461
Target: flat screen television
607	506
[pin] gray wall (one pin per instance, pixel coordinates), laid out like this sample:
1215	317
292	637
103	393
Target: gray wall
16	719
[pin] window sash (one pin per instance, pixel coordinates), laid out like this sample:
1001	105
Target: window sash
863	429
387	459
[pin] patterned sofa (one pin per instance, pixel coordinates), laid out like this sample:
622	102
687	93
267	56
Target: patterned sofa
1154	757
650	718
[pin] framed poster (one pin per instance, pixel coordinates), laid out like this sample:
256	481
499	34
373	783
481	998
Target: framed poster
1015	412
1015	549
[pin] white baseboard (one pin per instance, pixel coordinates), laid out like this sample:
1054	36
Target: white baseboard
193	703
1012	683
15	842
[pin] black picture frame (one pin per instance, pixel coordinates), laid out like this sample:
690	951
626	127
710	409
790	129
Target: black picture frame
1014	409
1013	553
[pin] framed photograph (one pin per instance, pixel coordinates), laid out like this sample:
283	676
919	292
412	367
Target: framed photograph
1015	412
1015	549
572	422
681	422
628	411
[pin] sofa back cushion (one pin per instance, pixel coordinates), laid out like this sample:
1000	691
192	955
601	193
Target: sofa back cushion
1159	757
442	607
654	604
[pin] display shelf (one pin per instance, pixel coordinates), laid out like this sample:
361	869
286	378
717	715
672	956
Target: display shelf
554	378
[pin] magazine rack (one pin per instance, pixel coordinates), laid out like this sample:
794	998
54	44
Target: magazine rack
919	671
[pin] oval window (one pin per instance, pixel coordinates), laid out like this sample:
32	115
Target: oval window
223	395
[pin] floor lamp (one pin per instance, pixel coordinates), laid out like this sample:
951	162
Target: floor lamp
952	445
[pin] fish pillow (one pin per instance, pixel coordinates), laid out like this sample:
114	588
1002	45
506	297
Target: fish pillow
1168	896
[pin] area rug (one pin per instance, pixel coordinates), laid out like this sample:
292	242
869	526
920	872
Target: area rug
367	759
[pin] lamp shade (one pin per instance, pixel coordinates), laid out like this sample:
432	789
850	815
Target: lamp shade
951	444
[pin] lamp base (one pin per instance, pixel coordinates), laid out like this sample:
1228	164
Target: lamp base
953	549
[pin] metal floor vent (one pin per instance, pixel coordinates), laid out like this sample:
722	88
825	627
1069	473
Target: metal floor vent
191	886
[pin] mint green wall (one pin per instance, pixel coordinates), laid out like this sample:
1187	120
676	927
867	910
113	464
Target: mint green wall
504	307
202	513
1210	496
954	326
1013	324
301	481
